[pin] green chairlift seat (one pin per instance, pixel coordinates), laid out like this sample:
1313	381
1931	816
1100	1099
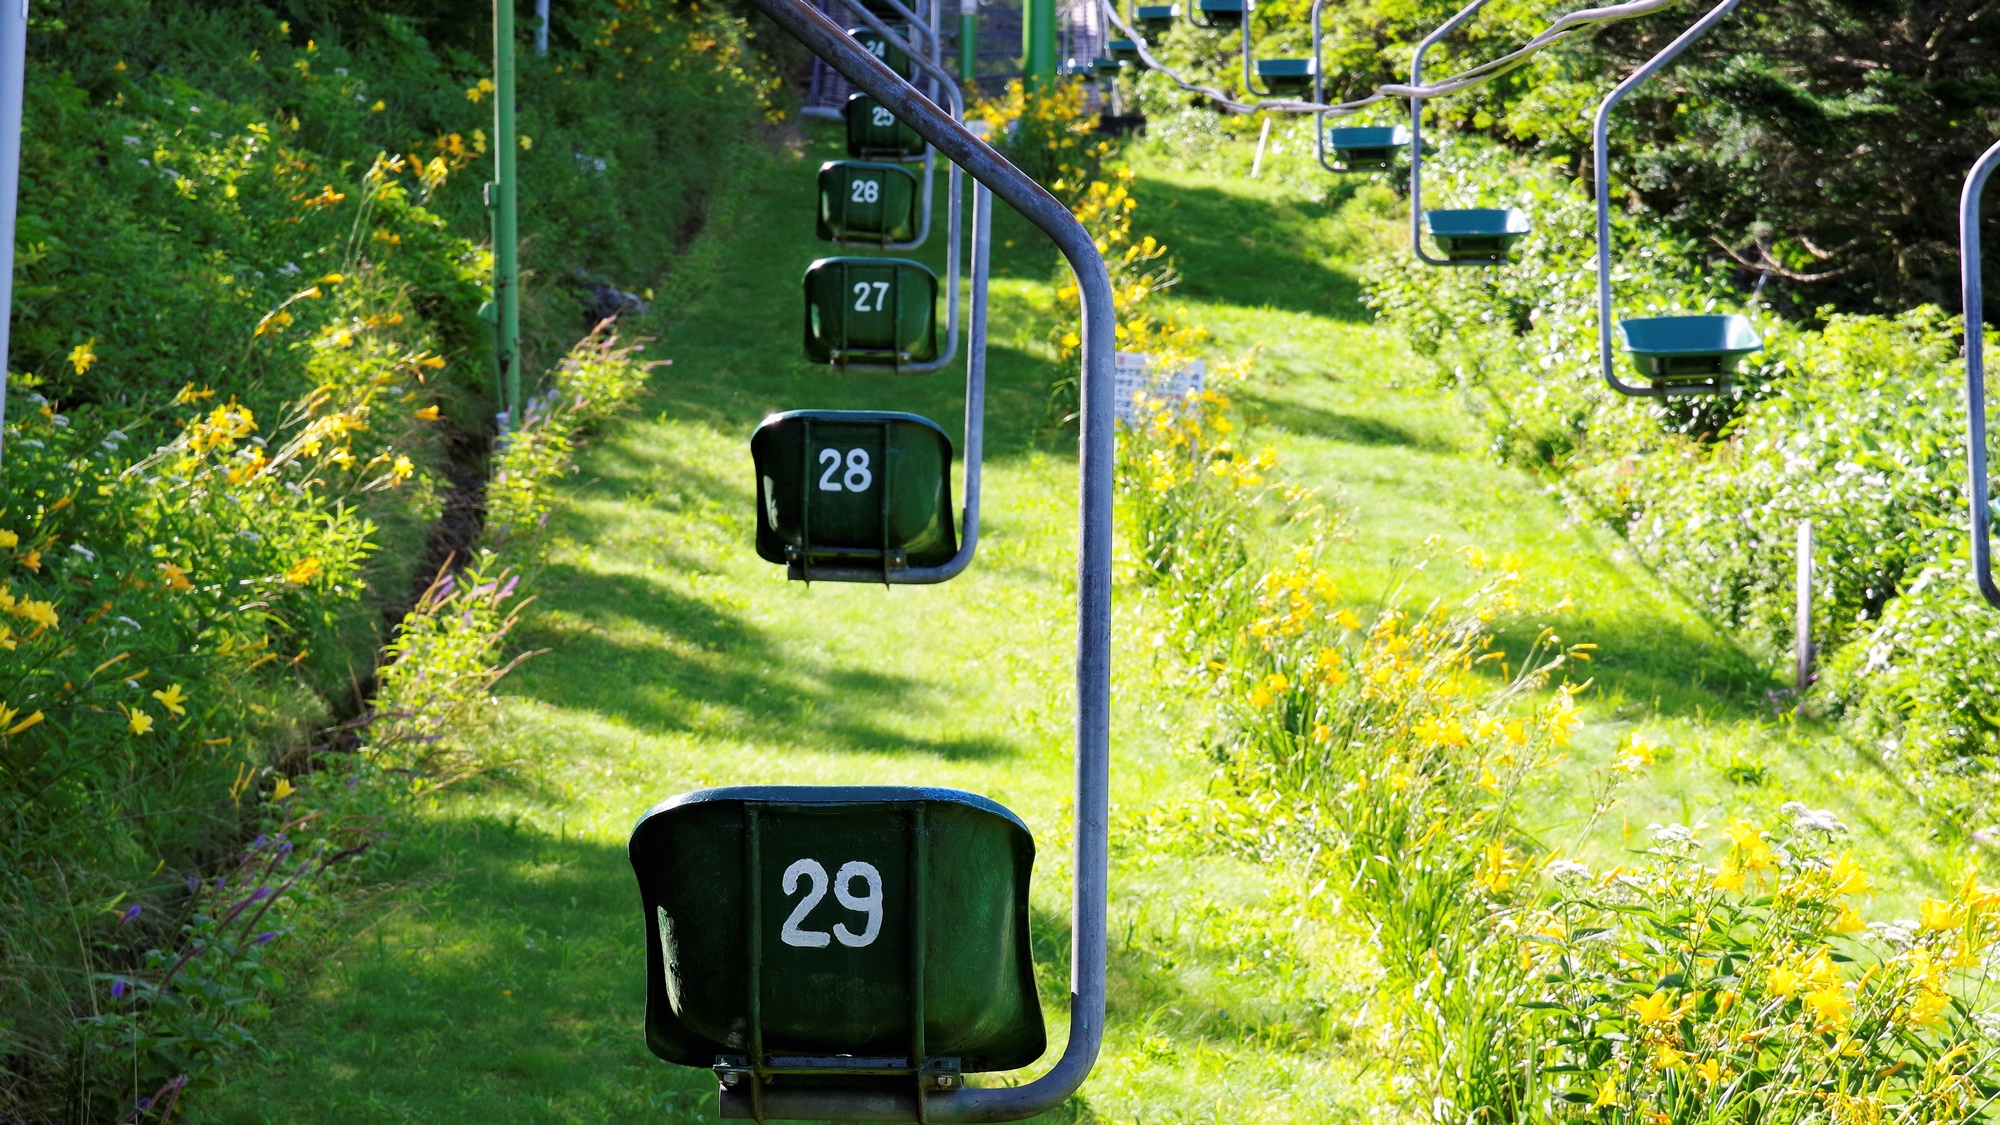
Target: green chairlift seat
1477	235
1368	148
1218	13
861	202
852	489
878	311
1691	354
1286	76
852	936
878	45
1124	51
1078	68
1157	19
874	132
1104	66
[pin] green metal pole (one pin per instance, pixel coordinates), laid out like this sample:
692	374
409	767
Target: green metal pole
1038	42
968	40
502	197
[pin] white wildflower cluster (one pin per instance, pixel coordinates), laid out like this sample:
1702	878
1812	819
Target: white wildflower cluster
1813	820
1568	871
1900	934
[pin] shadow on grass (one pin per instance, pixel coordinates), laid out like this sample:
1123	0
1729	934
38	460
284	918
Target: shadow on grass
1248	251
641	651
1353	429
1654	665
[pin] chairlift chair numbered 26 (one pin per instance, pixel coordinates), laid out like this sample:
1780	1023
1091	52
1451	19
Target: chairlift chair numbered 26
867	202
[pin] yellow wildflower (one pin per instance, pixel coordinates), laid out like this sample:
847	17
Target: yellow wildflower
41	613
1607	1092
172	699
282	790
1495	874
24	724
139	721
175	577
1937	915
304	571
1847	877
1709	1070
1830	1005
1849	921
1346	619
82	356
1655	1009
9	539
428	414
1928	1008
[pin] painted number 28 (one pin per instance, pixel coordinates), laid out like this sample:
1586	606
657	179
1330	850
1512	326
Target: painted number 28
868	903
857	478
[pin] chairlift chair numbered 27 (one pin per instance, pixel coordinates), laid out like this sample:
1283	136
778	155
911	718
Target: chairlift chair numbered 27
874	311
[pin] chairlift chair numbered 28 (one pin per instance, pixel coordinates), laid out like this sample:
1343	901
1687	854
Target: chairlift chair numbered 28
852	489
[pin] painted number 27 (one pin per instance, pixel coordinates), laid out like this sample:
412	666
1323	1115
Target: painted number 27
857	478
868	903
864	290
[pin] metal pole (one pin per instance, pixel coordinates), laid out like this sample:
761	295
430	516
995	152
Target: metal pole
1802	611
968	41
1038	42
13	79
1977	486
503	199
1600	158
1093	643
542	31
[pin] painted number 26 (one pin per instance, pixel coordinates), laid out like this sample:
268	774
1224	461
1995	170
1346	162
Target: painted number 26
866	191
868	903
857	478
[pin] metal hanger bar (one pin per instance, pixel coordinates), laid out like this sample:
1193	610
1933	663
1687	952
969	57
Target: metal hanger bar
1485	72
1971	283
1249	72
1600	158
1091	865
1417	136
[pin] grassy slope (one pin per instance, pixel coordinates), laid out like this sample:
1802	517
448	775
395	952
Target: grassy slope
505	983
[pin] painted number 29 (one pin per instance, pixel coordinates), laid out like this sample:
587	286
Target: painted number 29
868	903
857	478
866	191
864	291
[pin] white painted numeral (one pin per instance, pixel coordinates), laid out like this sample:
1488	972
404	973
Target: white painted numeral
879	48
792	934
866	289
869	904
866	191
881	117
857	478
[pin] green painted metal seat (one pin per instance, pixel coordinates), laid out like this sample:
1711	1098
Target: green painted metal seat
1157	19
874	132
878	45
1667	349
1368	148
1104	66
1123	50
853	489
1286	76
838	935
1481	234
872	311
1219	13
1079	68
861	202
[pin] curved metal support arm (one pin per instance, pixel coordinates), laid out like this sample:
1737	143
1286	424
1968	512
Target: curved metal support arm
1600	158
1417	135
1978	487
1093	646
1319	85
1249	71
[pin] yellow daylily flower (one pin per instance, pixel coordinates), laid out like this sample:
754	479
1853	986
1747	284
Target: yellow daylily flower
172	699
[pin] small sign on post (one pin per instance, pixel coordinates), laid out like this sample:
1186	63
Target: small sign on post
1136	381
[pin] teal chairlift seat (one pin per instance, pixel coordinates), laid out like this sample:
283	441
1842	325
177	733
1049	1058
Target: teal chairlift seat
1287	77
875	311
1104	66
874	133
852	490
1695	352
861	937
1677	355
869	203
1367	148
1218	14
1124	51
1157	19
1476	236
